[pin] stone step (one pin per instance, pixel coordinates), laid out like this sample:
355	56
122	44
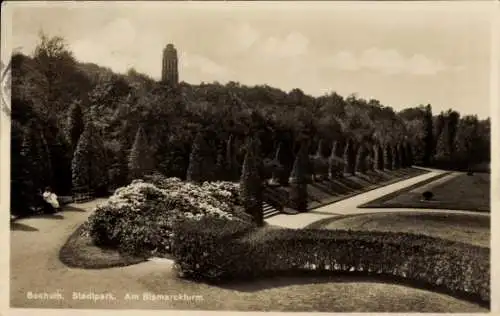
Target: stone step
269	210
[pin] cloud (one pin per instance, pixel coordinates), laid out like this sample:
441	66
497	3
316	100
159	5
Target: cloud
111	46
204	65
243	37
387	61
293	45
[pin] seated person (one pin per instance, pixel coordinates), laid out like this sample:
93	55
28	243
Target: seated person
51	200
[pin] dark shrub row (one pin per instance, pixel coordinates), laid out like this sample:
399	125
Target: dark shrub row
216	251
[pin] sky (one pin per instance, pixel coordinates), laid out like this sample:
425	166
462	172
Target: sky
401	54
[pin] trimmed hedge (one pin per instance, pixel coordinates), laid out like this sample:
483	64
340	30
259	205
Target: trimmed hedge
198	247
215	251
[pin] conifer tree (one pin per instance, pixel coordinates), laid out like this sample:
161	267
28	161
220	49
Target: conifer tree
335	164
320	164
221	173
376	156
429	136
409	154
388	157
348	157
370	159
277	169
251	184
89	164
381	162
139	162
231	162
76	124
361	159
395	157
402	155
195	172
299	179
26	184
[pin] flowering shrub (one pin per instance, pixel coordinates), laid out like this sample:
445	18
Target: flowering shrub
138	218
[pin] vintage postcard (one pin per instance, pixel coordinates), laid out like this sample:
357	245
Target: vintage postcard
330	157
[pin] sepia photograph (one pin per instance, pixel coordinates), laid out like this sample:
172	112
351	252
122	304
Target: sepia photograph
248	156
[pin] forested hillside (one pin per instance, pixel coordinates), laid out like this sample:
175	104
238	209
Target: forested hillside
78	126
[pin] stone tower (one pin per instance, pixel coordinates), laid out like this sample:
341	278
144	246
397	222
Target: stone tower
170	72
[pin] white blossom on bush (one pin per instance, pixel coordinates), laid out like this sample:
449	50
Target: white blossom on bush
142	214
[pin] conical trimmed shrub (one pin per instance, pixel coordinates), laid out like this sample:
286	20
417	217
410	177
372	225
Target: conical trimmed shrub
277	167
409	154
395	158
320	163
89	164
139	161
348	157
388	157
361	159
335	164
232	167
25	183
402	154
380	164
76	125
200	163
299	179
251	185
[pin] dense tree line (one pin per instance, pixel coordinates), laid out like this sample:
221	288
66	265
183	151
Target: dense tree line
73	120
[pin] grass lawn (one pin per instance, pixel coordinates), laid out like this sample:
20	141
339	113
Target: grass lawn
462	192
321	193
80	252
466	228
310	294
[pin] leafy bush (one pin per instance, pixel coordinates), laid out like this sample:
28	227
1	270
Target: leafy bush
427	195
138	218
210	251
